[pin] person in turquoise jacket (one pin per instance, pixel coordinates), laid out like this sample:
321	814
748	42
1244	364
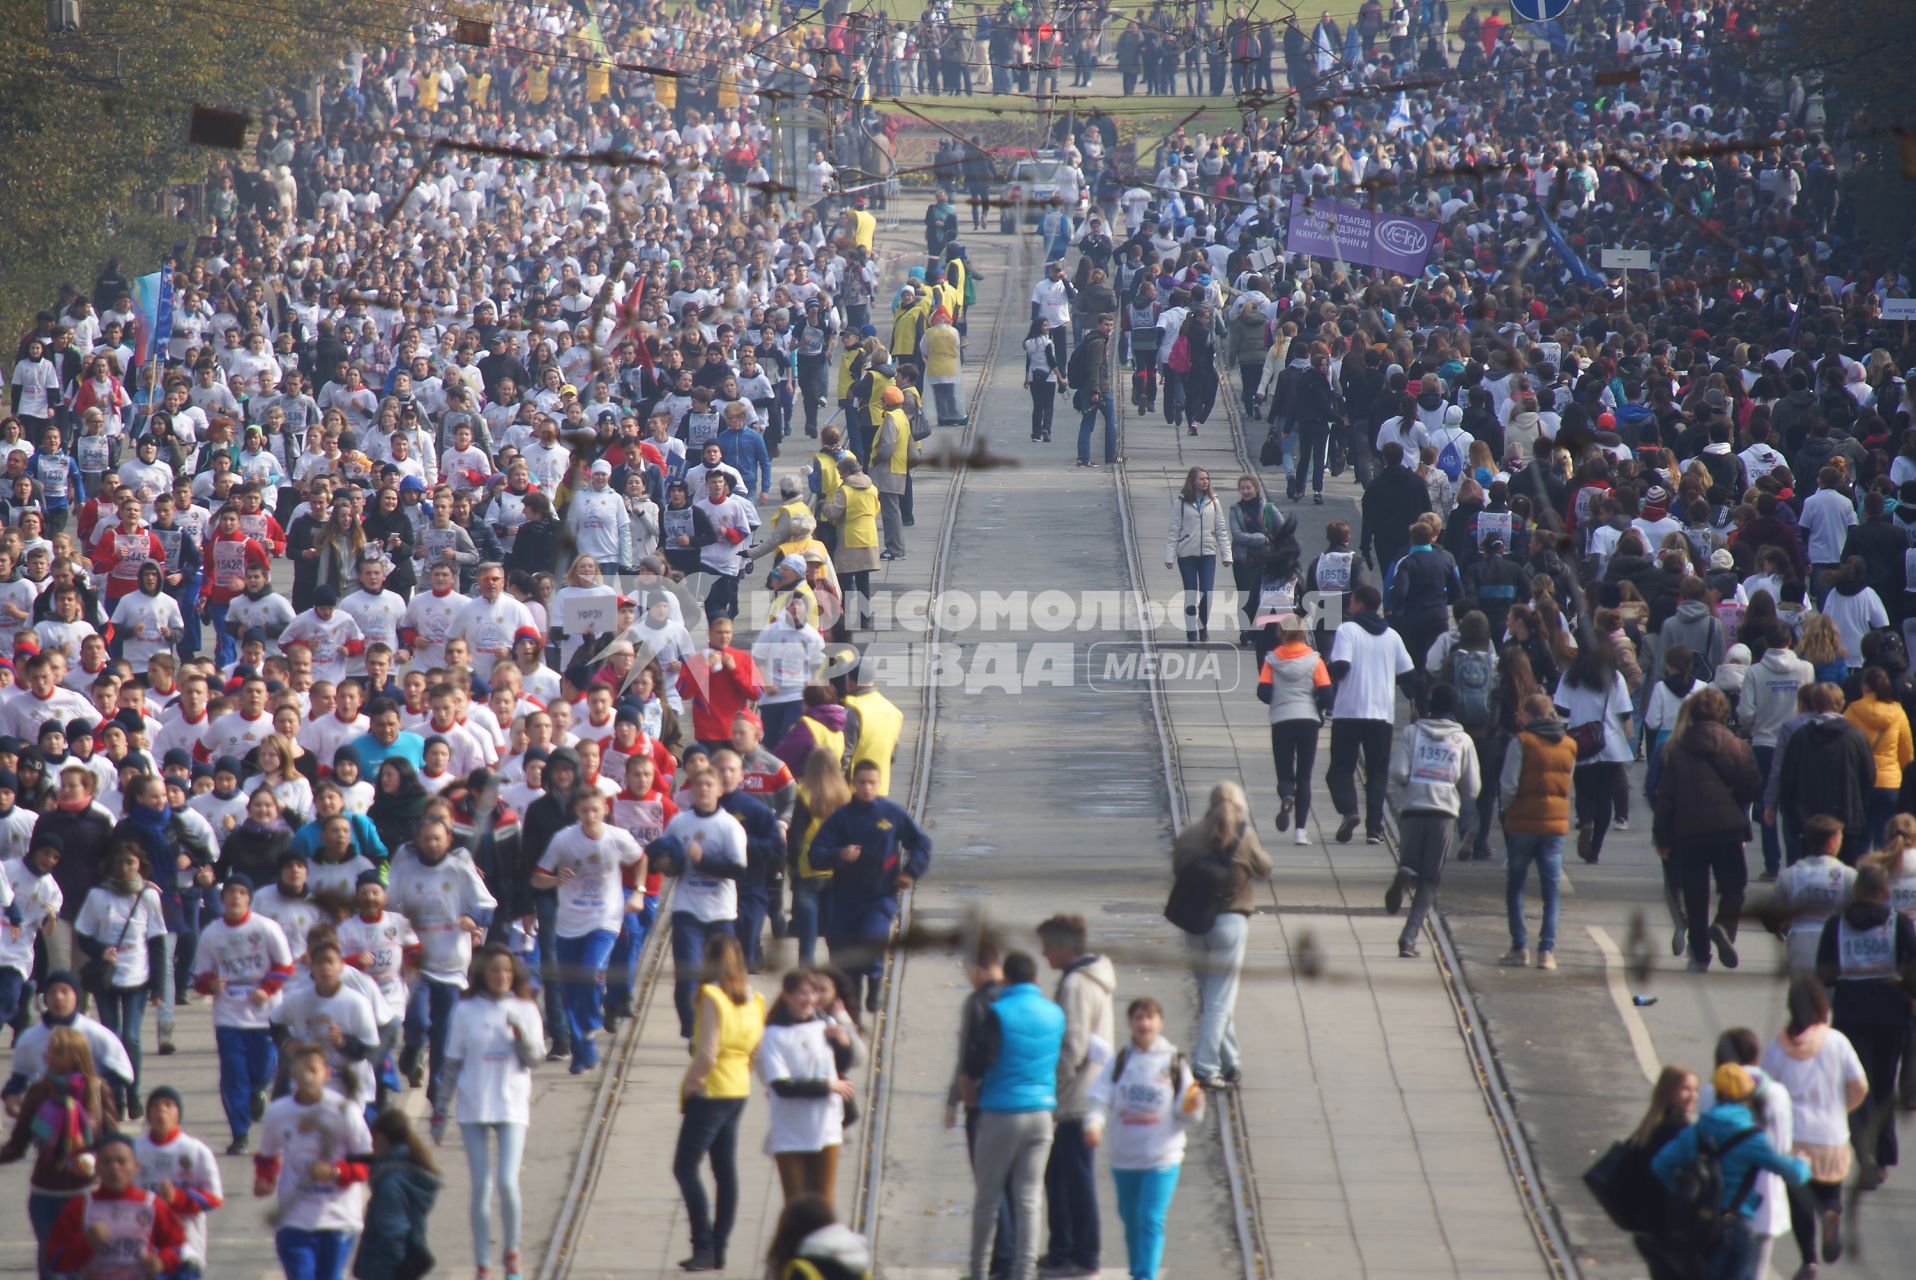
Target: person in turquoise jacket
1010	1068
1744	1150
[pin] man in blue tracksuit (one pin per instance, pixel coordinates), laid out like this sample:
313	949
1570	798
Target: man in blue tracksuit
745	449
875	852
1743	1151
764	852
1010	1068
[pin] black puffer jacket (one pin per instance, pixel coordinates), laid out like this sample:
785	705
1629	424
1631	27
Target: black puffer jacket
1709	781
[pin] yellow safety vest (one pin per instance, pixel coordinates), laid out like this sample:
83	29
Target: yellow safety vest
598	82
859	529
864	229
538	84
828	478
845	378
906	327
955	276
875	403
899	462
880	724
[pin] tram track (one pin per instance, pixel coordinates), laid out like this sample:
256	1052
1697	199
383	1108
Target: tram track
1234	1138
877	1091
556	1263
1546	1224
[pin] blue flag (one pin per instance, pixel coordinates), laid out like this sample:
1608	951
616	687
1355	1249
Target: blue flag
1579	269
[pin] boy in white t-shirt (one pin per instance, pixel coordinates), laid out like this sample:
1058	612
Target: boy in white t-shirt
180	1170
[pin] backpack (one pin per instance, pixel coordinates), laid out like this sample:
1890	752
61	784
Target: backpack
1695	1207
1179	361
1471	676
1077	370
1701	668
1450	459
1199	892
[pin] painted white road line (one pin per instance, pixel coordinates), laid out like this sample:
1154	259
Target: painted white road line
1613	973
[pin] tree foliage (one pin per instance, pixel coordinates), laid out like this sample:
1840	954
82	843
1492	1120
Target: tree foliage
1858	54
93	126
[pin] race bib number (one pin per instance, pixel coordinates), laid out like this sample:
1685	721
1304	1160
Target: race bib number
1434	761
1334	571
92	453
1493	524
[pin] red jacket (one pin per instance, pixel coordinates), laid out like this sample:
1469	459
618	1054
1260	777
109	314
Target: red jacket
119	555
718	696
251	552
70	1251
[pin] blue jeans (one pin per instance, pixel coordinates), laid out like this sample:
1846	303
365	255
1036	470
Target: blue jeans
187	596
248	1063
1772	844
710	1128
1734	1257
1144	1198
1071	1198
1199	575
313	1255
582	961
1547	853
689	935
43	1211
778	717
754	902
226	647
545	905
622	966
1218	957
1104	407
482	1173
429	1013
13	985
811	911
123	1013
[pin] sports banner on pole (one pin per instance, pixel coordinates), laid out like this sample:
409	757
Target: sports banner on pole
153	297
1326	229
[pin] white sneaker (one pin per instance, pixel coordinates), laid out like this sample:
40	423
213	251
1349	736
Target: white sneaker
1303	835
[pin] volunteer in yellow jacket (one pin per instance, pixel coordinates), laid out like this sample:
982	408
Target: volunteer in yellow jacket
1534	790
943	368
729	1022
891	469
880	724
908	326
854	509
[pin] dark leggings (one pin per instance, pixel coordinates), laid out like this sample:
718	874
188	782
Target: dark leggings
1807	1206
1044	397
1597	784
1247	577
1294	749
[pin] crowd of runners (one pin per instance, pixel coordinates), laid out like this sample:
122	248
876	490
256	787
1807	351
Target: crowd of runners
488	541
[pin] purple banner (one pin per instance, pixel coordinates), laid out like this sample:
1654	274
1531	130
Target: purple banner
1326	229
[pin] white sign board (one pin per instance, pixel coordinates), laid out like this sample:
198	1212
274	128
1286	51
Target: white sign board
1899	309
1626	259
590	615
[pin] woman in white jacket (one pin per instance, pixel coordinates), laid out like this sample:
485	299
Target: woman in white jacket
1820	1070
1198	536
801	1059
1147	1098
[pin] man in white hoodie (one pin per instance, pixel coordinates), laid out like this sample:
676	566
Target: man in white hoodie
1434	777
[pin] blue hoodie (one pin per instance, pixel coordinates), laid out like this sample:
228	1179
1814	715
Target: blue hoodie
1721	1123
